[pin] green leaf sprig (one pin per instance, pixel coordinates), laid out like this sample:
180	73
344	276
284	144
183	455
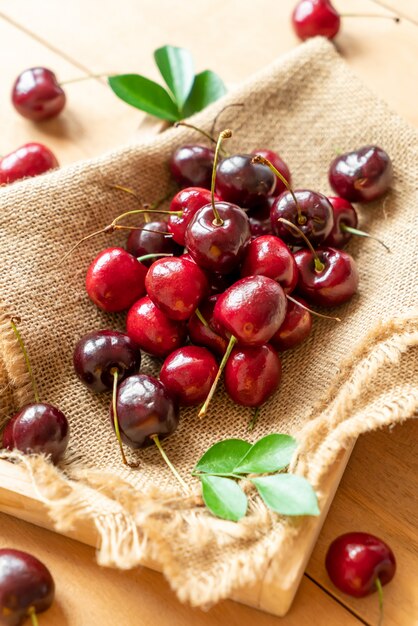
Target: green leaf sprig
186	93
228	461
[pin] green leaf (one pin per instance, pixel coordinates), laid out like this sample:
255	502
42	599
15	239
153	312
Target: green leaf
176	67
207	88
269	454
224	497
287	494
222	457
144	94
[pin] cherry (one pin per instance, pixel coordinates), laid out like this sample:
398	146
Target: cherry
29	160
203	334
176	286
115	279
37	95
260	222
26	587
344	215
150	239
295	328
188	201
152	330
241	181
280	165
269	256
99	353
311	18
191	165
362	175
188	374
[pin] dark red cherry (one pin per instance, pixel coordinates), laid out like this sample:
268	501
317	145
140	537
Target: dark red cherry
144	408
203	335
296	327
115	279
314	218
26	586
37	95
312	18
356	560
176	286
252	374
219	248
252	310
29	160
38	428
269	256
242	182
188	200
260	222
149	239
152	330
100	352
335	284
188	374
362	175
280	165
344	215
191	165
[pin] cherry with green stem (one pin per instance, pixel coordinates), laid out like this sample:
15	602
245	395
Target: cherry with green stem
345	224
319	266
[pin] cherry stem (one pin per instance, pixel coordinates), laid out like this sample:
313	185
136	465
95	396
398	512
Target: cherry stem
231	344
114	371
149	230
319	266
201	318
260	159
361	233
254	419
385	17
379	588
141	211
154	255
218	115
161	450
25	354
225	134
196	128
147	207
81	78
32	614
302	306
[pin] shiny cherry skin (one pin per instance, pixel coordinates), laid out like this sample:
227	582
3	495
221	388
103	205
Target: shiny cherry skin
312	18
188	374
152	330
144	408
188	200
26	585
115	279
296	327
356	560
207	336
269	256
335	284
362	175
252	374
176	286
344	214
38	428
252	310
280	165
260	222
242	182
29	160
37	95
100	352
316	213
219	248
150	240
191	165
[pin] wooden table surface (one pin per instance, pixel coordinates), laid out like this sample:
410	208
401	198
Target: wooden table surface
234	38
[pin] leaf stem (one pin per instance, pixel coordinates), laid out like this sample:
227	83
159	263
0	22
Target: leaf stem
161	450
81	78
27	361
231	344
223	474
254	419
225	134
361	233
319	266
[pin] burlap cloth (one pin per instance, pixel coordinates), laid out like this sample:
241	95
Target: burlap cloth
346	379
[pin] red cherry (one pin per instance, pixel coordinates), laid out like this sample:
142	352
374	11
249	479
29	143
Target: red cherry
280	165
203	335
241	181
37	95
188	374
191	165
152	330
269	256
312	18
344	215
188	200
29	160
149	239
296	327
260	222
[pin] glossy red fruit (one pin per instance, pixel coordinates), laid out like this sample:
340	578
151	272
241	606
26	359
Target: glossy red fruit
260	222
188	200
152	330
252	374
206	336
38	428
115	279
296	327
150	239
356	560
176	286
280	165
242	182
362	175
29	160
269	256
191	165
188	374
312	18
25	585
37	95
252	310
336	284
344	215
144	408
